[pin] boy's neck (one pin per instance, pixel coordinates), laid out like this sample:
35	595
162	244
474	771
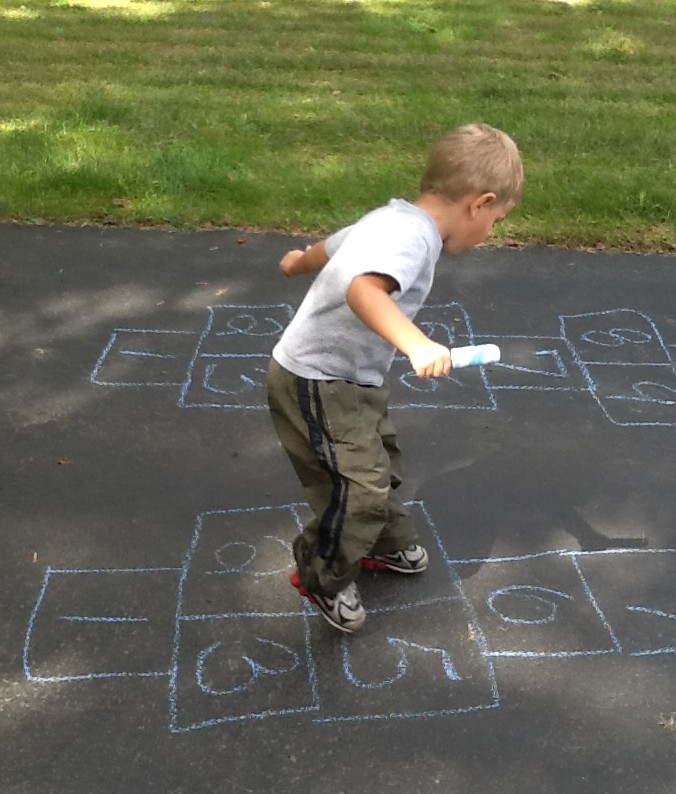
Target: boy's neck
444	212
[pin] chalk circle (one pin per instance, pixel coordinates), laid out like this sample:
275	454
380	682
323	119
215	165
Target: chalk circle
524	598
616	337
284	658
412	381
247	323
430	327
235	556
287	559
661	393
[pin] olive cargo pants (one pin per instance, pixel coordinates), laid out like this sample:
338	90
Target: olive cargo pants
343	447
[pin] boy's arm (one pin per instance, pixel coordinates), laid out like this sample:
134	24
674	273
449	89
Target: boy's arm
311	260
368	297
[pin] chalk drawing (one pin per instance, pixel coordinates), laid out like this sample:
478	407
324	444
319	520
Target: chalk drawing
529	593
94	646
626	364
402	663
616	356
256	669
227	368
137	357
241	645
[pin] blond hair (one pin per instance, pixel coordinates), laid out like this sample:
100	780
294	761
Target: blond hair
474	159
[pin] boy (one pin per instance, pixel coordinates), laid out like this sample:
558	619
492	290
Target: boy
325	380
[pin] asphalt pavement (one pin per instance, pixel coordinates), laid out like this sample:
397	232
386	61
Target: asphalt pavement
151	641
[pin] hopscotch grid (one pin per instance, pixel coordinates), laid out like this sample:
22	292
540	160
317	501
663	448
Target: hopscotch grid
309	612
483	647
308	615
573	556
185	387
583	363
259	715
111	342
174	725
648	320
49	572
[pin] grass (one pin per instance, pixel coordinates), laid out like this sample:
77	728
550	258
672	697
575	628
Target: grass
302	114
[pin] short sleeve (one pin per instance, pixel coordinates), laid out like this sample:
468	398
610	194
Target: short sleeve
399	251
335	240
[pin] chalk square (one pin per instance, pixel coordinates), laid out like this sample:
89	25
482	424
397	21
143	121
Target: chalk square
639	394
534	363
635	591
226	381
617	336
102	624
243	329
236	669
534	606
144	358
240	560
239	563
418	661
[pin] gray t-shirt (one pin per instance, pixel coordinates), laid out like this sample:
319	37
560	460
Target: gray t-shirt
325	340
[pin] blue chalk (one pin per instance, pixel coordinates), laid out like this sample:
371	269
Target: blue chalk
474	356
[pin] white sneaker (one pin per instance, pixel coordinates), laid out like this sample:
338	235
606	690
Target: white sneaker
413	559
344	611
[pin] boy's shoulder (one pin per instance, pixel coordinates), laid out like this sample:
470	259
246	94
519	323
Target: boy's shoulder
397	210
393	225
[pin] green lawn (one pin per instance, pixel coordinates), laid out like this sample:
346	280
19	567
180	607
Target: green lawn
302	114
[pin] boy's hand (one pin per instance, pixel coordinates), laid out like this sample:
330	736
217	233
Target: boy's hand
430	360
311	260
289	260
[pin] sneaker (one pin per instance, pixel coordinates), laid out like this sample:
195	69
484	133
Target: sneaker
344	611
413	559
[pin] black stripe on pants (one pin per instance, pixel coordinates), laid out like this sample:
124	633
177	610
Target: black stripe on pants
331	521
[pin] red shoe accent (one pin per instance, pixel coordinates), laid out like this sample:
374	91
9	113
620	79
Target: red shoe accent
294	581
369	564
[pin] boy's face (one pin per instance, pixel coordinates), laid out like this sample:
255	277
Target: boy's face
479	216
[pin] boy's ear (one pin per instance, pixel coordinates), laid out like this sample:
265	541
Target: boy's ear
481	200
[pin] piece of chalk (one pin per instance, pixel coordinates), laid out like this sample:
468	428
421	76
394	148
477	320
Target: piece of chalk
474	356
